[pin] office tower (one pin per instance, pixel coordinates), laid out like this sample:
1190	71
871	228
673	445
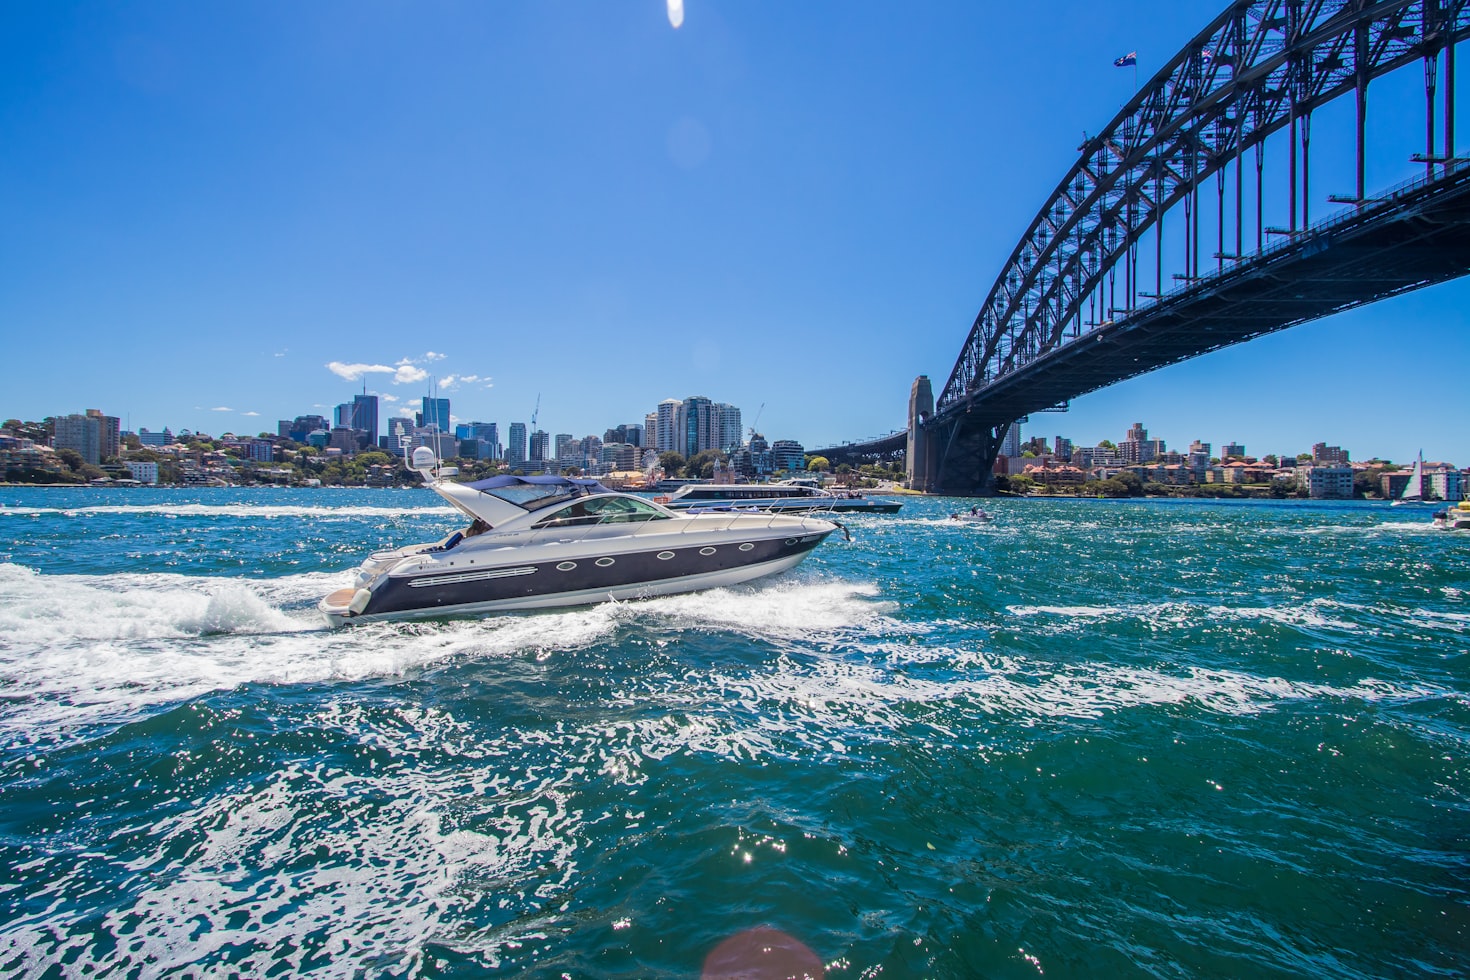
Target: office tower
364	416
436	413
633	435
539	445
515	449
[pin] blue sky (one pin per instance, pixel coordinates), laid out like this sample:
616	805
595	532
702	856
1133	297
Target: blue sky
794	205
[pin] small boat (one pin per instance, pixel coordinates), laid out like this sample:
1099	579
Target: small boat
786	497
1456	518
975	515
544	541
1413	494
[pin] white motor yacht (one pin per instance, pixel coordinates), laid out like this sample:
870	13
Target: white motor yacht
537	542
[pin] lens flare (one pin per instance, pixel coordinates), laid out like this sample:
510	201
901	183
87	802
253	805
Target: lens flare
676	12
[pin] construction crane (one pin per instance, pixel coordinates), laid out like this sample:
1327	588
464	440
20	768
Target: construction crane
536	412
757	419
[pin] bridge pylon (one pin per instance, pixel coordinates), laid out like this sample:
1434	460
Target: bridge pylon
920	461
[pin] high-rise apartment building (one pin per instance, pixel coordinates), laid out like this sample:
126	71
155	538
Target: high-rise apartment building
697	431
650	431
515	446
81	433
667	425
540	443
1232	449
728	433
1011	444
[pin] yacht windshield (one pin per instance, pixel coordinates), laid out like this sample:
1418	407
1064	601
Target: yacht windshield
603	510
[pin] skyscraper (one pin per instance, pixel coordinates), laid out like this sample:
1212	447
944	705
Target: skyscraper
696	426
540	443
515	449
728	434
436	413
365	415
667	424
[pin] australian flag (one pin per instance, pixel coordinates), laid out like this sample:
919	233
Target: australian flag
1131	58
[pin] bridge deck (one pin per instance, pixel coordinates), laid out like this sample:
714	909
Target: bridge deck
1416	236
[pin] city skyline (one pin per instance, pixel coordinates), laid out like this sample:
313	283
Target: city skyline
801	208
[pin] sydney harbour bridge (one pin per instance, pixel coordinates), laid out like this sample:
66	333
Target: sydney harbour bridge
1156	246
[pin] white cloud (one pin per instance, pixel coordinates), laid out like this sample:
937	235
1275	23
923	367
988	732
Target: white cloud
353	372
448	382
389	398
222	408
407	374
431	356
407	412
250	414
469	379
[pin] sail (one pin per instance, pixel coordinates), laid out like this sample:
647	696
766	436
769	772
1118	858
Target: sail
1415	488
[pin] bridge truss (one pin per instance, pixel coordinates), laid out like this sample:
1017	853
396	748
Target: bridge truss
1261	67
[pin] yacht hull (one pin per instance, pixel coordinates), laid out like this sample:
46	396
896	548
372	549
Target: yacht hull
569	575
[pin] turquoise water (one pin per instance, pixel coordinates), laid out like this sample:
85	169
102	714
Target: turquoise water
1092	739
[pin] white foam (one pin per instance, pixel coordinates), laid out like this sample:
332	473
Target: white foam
1313	613
261	511
384	877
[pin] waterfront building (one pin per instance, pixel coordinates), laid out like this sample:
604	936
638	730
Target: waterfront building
1325	455
515	447
1062	449
1232	449
788	454
633	434
109	435
143	472
1327	482
1444	482
260	450
650	431
1200	448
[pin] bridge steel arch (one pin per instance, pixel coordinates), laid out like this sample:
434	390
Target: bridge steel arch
1262	66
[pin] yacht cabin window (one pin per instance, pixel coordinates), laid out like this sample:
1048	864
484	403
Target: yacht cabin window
602	510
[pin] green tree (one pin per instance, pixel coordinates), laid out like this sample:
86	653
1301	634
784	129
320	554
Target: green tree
818	464
671	462
72	459
1131	481
1106	444
373	458
702	465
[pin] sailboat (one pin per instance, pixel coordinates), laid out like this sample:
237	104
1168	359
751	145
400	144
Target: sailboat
1414	492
